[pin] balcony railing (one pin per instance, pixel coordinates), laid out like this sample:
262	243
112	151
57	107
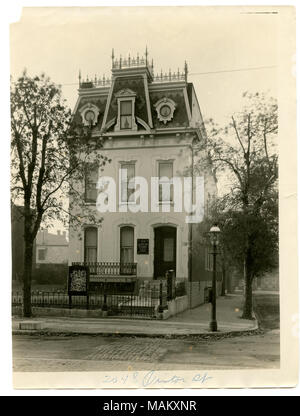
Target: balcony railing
109	268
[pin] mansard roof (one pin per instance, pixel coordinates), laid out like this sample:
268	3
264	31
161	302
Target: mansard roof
135	78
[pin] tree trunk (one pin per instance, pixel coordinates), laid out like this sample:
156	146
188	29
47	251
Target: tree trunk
247	311
28	256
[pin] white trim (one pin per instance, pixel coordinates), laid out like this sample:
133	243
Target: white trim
110	123
167	86
131	72
76	105
187	104
102	91
125	92
144	124
148	102
108	102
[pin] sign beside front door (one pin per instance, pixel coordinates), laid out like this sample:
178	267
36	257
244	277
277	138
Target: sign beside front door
143	246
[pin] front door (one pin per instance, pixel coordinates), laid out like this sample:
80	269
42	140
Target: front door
164	251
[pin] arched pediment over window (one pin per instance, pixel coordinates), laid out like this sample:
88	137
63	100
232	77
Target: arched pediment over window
126	92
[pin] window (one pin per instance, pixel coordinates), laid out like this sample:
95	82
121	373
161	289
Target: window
126	115
165	173
127	182
126	244
126	103
42	254
91	179
90	244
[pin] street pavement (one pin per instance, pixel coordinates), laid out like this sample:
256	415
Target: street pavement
103	353
191	322
69	351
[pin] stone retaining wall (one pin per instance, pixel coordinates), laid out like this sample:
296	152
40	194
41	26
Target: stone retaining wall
178	305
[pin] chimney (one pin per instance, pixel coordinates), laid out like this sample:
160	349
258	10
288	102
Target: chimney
65	234
58	232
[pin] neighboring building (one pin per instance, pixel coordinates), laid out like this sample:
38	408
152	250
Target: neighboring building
52	252
150	126
17	243
51	248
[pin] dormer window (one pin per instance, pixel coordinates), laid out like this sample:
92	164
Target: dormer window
126	115
126	110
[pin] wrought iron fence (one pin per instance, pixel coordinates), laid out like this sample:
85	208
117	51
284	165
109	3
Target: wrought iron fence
58	300
144	304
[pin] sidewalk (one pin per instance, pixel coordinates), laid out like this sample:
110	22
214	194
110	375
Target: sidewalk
191	322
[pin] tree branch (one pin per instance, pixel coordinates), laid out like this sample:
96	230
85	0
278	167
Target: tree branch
237	134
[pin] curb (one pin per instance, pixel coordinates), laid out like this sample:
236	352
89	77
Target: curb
202	335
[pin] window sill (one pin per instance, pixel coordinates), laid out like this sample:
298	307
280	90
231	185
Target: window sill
166	203
127	203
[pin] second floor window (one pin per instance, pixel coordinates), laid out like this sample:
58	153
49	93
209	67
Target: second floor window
127	182
91	178
126	115
165	173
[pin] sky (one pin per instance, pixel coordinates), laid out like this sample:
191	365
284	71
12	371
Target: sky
228	50
62	41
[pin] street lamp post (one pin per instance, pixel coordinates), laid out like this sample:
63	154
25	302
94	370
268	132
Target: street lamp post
214	238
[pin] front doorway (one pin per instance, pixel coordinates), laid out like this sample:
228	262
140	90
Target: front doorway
164	250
